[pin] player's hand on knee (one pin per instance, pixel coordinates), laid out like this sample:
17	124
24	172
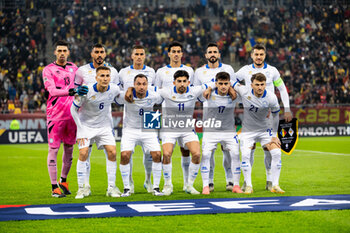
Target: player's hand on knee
128	95
276	141
232	93
81	141
207	93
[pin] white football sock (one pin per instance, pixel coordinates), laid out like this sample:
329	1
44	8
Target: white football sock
235	166
88	167
167	170
246	167
212	167
252	157
157	173
276	165
185	163
267	160
130	172
111	172
193	173
147	163
81	172
226	163
205	167
125	171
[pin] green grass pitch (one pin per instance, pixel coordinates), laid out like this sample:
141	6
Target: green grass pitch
318	166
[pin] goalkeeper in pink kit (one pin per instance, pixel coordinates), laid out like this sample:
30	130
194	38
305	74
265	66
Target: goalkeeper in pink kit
58	79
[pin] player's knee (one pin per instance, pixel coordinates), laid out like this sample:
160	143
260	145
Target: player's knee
185	153
196	157
157	157
125	157
112	154
83	155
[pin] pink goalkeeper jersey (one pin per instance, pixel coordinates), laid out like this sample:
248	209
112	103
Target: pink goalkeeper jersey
58	80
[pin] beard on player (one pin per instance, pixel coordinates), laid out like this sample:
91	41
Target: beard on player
213	59
99	60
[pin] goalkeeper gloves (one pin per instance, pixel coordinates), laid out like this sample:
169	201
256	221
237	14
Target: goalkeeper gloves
81	90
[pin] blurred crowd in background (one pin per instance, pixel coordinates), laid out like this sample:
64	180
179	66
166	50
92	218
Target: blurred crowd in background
310	46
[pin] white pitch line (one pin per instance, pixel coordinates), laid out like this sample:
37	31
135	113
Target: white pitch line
322	152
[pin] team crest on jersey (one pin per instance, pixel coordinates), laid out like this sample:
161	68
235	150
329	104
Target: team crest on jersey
90	71
71	70
173	97
265	104
93	97
57	71
129	72
149	102
204	72
167	72
213	98
249	97
250	72
189	96
110	96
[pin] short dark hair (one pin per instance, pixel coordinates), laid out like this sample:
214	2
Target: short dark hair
222	76
212	44
259	47
140	76
258	77
62	43
175	44
181	73
138	47
102	68
98	45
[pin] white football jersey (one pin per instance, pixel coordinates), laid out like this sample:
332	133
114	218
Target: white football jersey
205	74
94	108
86	74
220	108
127	75
179	106
133	112
271	73
165	75
256	109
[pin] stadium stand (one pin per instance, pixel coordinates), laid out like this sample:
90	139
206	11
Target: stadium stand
309	44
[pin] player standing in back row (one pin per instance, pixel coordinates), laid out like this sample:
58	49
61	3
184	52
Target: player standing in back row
165	78
59	83
273	79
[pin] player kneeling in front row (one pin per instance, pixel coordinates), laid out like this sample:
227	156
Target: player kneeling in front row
256	127
91	115
220	107
134	134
